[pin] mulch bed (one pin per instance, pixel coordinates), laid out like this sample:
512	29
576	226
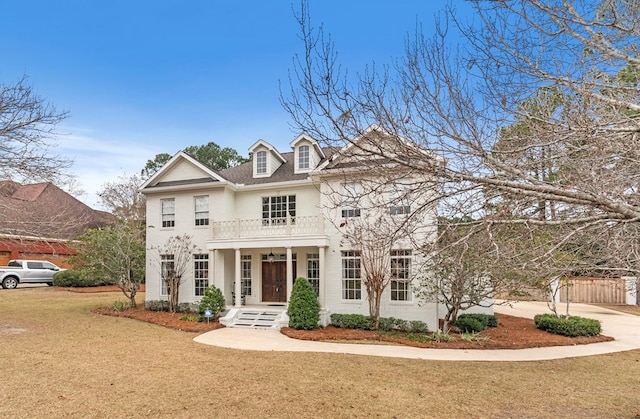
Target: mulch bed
162	318
512	332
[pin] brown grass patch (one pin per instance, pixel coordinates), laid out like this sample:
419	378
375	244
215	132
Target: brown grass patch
72	363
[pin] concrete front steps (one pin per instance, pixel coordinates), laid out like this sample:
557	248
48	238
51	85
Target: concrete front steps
256	318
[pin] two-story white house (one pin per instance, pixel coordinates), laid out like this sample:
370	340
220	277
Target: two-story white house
260	225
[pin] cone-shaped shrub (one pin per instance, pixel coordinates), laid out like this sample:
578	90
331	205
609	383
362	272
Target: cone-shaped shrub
304	309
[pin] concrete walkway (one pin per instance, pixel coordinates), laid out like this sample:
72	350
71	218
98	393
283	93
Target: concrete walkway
625	328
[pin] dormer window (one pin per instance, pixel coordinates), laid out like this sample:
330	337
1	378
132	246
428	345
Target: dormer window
303	157
261	162
307	154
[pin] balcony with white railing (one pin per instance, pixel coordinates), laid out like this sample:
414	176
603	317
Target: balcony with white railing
268	227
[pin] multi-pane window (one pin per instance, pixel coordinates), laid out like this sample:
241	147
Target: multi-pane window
261	162
400	275
167	269
276	208
200	274
350	194
351	283
201	208
303	157
313	271
168	212
245	274
400	204
399	209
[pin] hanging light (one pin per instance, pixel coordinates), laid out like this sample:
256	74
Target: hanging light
271	256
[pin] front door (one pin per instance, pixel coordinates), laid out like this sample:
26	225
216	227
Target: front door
274	281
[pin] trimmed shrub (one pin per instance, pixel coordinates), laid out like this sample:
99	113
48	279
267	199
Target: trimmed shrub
304	308
362	322
212	300
163	305
389	323
351	321
156	305
571	326
74	278
468	324
417	326
487	320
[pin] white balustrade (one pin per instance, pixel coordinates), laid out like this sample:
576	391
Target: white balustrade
268	227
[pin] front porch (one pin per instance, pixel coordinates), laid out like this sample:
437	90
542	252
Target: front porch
261	270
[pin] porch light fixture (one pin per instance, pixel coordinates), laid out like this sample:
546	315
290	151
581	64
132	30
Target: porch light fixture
271	256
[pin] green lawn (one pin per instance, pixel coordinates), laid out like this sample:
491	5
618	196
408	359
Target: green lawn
57	359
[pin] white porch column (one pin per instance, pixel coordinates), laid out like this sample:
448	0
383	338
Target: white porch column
289	272
218	270
321	276
238	287
212	265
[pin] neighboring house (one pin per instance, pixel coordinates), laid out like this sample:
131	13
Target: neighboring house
260	225
39	220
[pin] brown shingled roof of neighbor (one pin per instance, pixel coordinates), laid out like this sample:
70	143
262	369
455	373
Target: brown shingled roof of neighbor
44	210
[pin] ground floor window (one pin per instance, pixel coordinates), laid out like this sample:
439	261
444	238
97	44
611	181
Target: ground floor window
167	266
200	274
313	271
245	274
400	275
351	282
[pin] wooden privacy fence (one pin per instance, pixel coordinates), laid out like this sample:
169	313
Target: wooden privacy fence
594	290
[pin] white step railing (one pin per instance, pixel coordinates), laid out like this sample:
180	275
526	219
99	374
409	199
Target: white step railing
256	318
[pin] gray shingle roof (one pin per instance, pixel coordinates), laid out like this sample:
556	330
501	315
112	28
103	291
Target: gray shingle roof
243	174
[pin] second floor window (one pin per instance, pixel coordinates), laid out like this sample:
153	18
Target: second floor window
276	208
350	194
168	212
261	162
399	197
201	206
303	157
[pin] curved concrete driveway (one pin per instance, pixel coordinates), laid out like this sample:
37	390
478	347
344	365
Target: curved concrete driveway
625	328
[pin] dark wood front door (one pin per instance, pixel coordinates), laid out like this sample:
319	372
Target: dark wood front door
274	281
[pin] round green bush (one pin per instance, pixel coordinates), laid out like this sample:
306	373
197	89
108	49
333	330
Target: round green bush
212	300
304	309
468	324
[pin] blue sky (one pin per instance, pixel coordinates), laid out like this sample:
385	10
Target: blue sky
142	77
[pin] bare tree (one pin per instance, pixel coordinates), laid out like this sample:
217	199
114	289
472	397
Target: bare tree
514	155
382	211
174	258
123	199
27	130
